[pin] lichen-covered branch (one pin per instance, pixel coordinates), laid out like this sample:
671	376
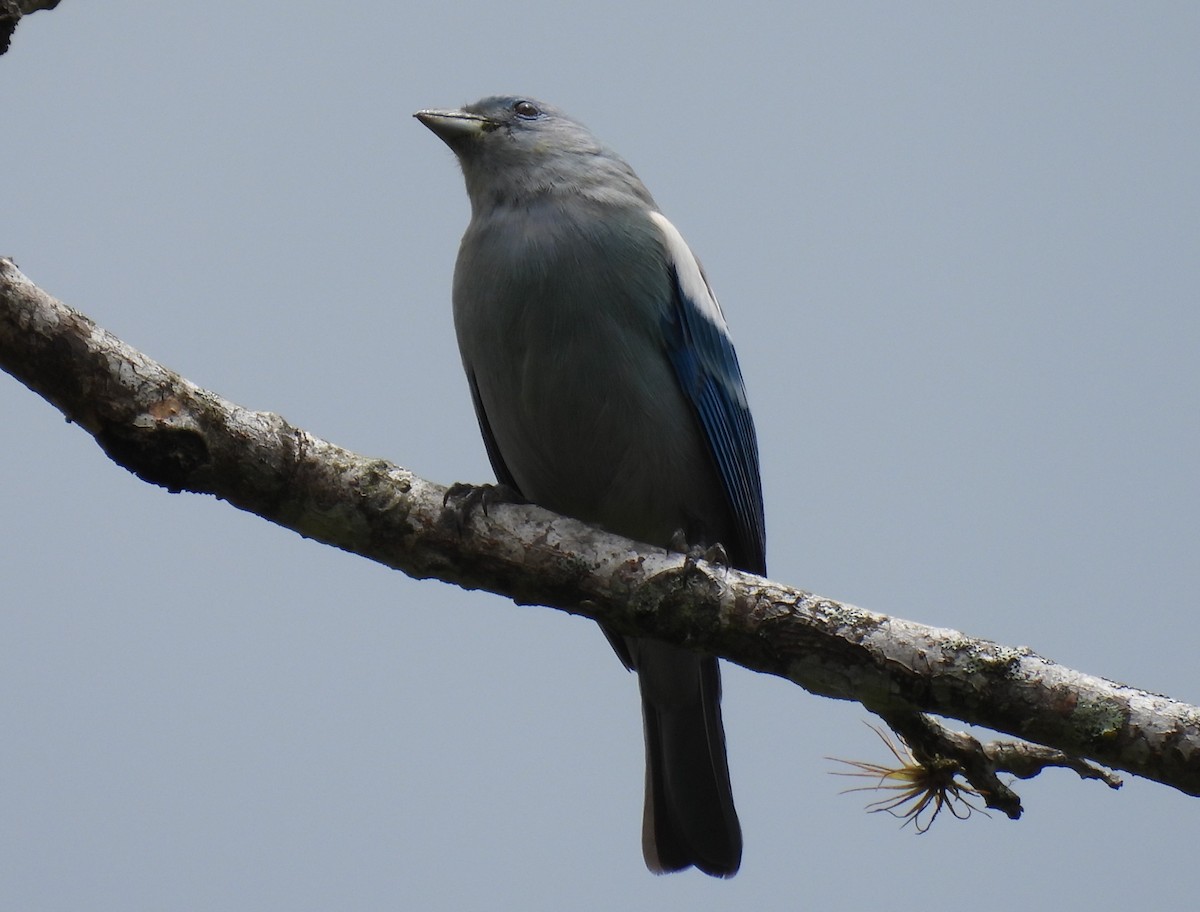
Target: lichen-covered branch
172	433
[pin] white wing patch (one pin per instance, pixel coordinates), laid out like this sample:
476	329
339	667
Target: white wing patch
687	270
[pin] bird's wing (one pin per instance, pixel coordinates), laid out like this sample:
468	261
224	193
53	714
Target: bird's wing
706	364
503	475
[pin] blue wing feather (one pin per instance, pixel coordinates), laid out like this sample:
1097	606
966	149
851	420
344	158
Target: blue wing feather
706	364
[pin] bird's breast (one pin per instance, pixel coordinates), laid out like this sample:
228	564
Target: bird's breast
561	326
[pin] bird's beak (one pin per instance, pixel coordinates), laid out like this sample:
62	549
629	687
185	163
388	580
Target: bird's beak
453	126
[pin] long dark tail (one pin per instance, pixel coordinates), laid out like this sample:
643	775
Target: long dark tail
689	816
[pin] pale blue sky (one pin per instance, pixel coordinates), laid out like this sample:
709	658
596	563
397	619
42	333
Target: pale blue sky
957	246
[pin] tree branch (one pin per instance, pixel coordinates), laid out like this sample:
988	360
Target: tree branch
11	12
172	433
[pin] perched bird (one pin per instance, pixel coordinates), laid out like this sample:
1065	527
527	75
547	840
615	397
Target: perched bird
607	389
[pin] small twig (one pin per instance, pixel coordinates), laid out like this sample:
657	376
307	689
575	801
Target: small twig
1025	760
934	745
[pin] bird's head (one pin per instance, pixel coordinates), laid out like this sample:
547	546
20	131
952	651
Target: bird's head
515	148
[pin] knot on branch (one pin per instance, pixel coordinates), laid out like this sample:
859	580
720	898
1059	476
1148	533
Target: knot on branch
158	447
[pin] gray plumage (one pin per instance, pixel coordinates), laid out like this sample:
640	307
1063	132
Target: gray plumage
607	389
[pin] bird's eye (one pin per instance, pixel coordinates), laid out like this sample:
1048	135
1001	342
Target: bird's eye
526	109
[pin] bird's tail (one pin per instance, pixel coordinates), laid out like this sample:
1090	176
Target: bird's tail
689	815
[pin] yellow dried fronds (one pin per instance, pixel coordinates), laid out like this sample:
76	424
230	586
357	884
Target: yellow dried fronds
925	787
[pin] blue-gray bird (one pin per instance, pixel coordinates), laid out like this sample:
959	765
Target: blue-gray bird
607	389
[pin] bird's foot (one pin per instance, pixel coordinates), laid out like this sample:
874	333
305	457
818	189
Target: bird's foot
462	499
713	554
680	543
717	555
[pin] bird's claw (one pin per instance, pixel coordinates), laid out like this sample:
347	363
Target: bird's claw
679	542
717	555
713	554
462	499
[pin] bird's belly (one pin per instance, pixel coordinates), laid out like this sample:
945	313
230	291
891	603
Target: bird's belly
606	440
